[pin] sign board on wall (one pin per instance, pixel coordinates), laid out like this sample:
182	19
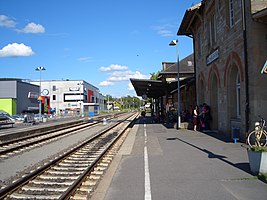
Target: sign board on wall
74	89
212	57
68	97
264	68
33	95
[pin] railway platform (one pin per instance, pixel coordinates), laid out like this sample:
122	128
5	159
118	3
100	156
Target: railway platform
156	162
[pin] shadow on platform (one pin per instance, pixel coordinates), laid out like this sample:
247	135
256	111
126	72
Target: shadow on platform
169	125
242	166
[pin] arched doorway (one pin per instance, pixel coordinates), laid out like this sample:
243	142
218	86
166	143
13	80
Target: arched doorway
214	101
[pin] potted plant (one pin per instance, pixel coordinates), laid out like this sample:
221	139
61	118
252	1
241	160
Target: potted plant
258	159
257	151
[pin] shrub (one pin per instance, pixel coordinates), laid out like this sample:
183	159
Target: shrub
259	149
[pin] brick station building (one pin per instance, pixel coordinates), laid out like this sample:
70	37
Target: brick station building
230	49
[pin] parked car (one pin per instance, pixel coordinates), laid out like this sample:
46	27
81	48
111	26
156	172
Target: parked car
6	120
11	118
18	117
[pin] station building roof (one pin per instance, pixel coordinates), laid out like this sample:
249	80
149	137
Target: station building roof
158	88
186	66
152	88
261	15
167	79
189	16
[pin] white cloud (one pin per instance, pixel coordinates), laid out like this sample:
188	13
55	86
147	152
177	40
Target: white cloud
113	67
7	22
164	30
139	75
130	86
86	59
33	28
121	74
15	49
126	75
106	83
29	28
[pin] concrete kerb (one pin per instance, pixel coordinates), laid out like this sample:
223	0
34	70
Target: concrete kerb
106	180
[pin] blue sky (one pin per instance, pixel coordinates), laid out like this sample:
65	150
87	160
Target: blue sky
103	42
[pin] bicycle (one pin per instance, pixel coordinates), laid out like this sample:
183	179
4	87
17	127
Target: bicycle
258	137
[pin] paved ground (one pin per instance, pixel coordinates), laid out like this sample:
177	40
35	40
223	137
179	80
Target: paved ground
179	165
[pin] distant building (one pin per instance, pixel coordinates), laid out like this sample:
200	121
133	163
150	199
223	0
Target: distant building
187	83
230	50
18	96
164	93
72	96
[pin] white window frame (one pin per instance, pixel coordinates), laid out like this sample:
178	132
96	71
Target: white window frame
238	104
231	12
215	29
210	30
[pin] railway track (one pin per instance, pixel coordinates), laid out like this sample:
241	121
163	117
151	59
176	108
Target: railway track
74	174
16	146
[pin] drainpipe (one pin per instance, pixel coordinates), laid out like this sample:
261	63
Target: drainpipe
247	109
194	54
195	70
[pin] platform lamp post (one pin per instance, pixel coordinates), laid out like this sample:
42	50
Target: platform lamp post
40	69
175	43
108	104
80	84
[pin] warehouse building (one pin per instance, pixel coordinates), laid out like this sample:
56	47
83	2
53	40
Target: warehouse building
18	96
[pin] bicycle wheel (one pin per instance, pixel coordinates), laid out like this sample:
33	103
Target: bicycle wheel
264	138
254	139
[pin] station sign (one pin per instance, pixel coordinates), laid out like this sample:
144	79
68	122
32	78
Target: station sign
212	57
32	95
264	68
74	89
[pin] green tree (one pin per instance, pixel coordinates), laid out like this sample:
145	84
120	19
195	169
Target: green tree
127	102
154	76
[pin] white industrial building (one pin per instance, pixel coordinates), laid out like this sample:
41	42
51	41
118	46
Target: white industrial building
72	96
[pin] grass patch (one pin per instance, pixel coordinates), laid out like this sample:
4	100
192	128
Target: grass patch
243	179
259	149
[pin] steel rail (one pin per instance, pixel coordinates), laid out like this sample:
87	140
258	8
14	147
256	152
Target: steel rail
39	131
39	134
22	133
72	189
2	152
15	148
25	179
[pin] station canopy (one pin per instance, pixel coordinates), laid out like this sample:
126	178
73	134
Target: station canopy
152	88
166	82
